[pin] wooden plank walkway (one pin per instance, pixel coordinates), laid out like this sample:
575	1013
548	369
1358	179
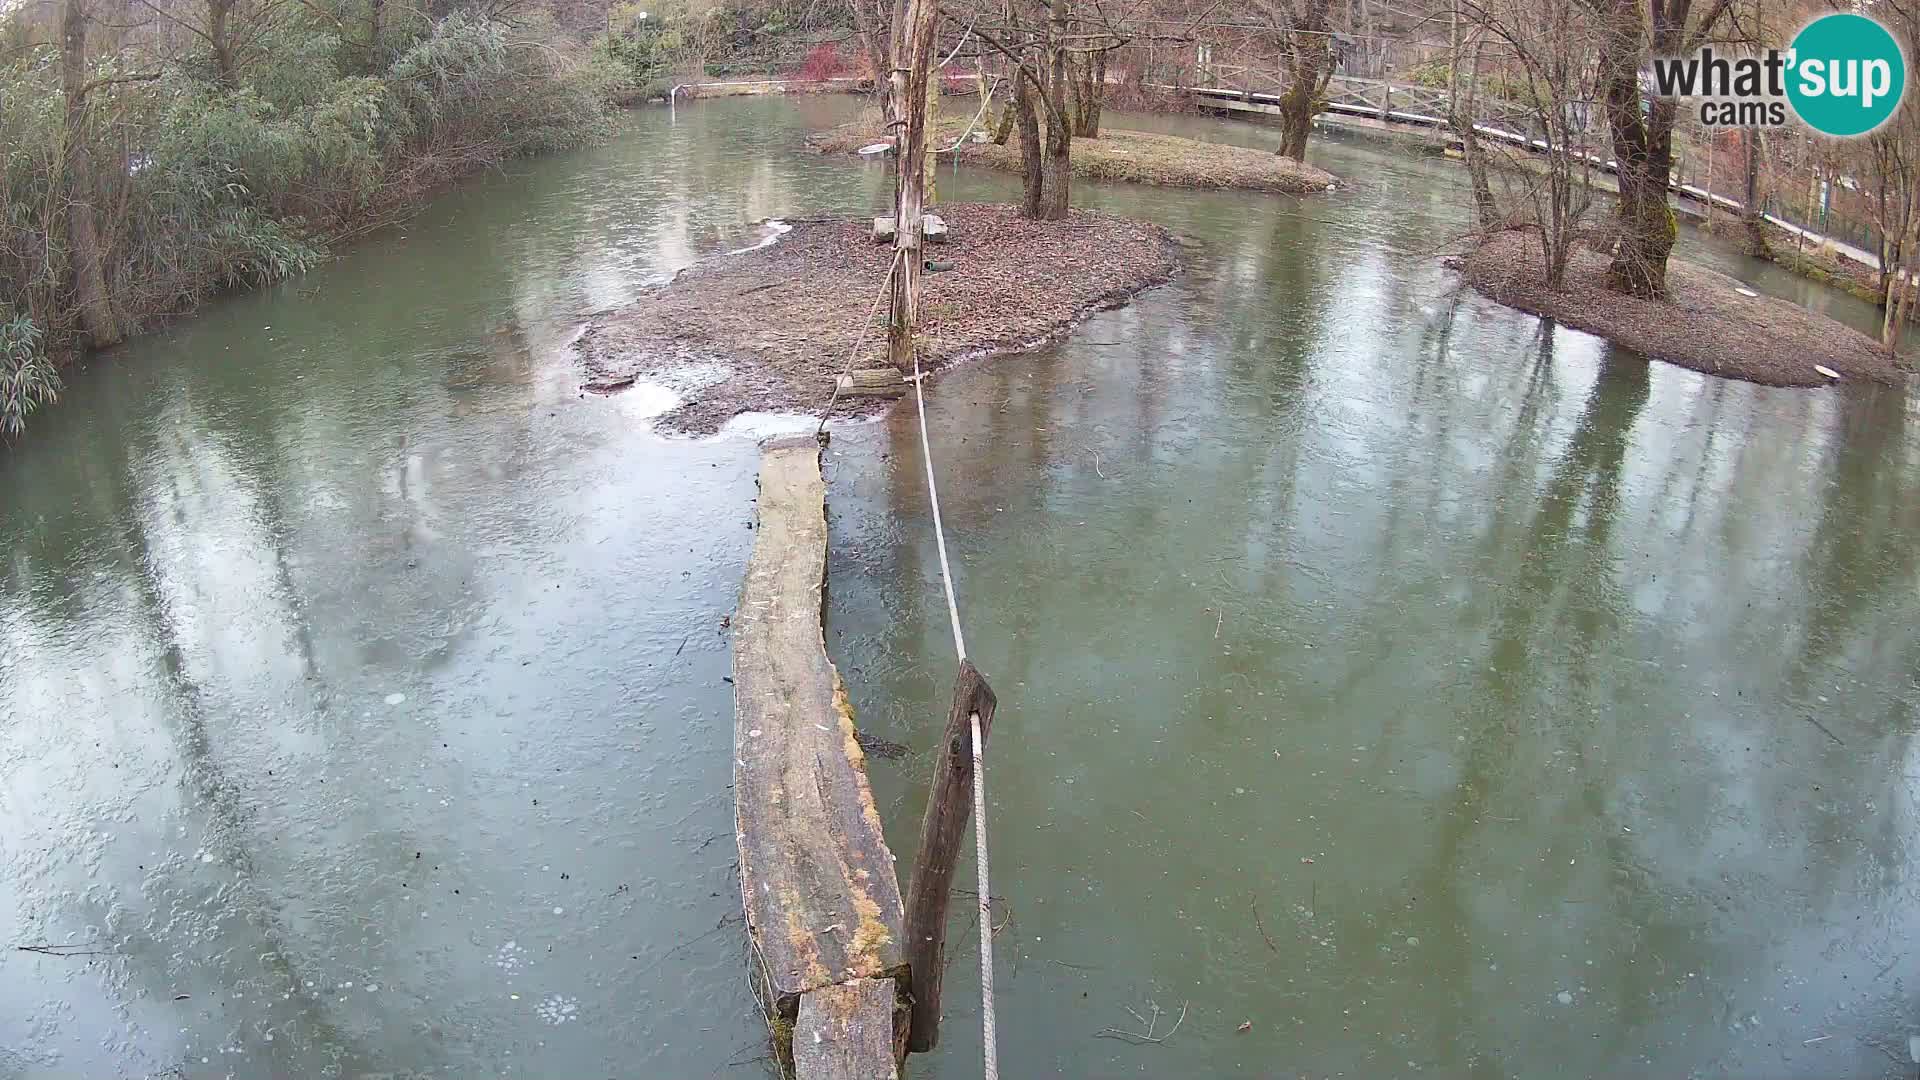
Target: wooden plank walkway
817	882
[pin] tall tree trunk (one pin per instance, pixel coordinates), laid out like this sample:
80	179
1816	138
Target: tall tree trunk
98	322
1894	318
1027	122
1753	226
910	77
220	35
1900	282
876	42
1463	115
1310	61
1089	94
1886	233
1098	106
1296	120
1643	148
1056	190
1000	127
1712	151
376	14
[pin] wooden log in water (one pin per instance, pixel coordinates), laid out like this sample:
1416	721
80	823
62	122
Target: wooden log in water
849	1032
817	881
941	832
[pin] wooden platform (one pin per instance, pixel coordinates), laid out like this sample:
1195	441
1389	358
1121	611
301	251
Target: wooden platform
817	881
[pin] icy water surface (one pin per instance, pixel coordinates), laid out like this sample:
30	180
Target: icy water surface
1430	690
1427	690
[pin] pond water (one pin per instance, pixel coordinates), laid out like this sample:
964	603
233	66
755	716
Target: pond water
1430	690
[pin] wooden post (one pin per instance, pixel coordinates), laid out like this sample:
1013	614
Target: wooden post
948	804
910	82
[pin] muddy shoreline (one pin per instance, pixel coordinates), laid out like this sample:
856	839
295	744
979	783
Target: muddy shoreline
1707	324
766	330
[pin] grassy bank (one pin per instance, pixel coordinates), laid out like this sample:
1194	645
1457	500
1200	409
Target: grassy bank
146	177
1131	156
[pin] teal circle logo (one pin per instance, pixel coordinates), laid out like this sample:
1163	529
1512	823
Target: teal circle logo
1848	75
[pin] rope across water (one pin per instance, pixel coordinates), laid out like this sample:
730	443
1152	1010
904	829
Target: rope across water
989	1036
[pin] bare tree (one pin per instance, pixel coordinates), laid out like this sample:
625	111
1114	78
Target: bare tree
1089	86
873	26
231	31
1643	135
1463	115
1546	42
1302	32
98	320
1036	44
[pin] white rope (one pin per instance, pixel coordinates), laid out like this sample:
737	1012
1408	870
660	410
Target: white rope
988	1035
986	100
933	496
989	1038
885	284
956	48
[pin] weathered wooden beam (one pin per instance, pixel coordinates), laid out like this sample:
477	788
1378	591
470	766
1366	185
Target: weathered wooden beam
817	882
849	1032
941	831
872	382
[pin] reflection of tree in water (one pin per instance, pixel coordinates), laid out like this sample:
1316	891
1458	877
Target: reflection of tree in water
216	915
476	372
1557	550
1564	545
1278	310
1866	547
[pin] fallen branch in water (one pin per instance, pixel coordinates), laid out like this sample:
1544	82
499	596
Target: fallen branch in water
1006	904
1138	1039
65	950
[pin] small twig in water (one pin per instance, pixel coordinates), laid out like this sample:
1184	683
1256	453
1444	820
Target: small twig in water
691	942
1254	903
1837	740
